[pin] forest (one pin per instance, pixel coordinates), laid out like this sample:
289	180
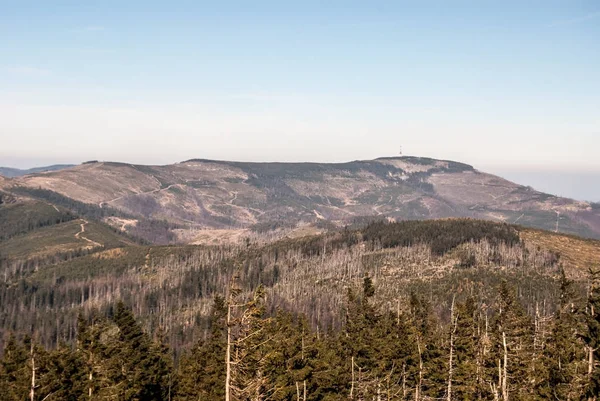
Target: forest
480	352
453	309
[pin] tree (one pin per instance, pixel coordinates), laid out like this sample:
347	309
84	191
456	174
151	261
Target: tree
135	366
564	357
513	341
432	376
468	375
65	376
202	371
15	376
592	337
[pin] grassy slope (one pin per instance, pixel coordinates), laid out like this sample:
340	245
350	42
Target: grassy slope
578	255
60	238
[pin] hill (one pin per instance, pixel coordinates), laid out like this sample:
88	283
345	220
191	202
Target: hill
201	195
34	234
15	172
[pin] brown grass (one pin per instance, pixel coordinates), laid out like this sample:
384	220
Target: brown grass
578	255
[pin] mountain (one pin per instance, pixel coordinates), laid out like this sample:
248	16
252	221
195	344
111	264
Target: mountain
199	195
360	286
15	172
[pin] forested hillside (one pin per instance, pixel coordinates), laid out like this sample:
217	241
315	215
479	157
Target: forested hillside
452	309
475	350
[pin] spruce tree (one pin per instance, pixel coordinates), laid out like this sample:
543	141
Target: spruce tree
592	337
431	373
512	359
14	375
202	370
468	381
564	355
65	376
136	366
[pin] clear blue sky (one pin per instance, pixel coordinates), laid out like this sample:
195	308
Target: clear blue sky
505	85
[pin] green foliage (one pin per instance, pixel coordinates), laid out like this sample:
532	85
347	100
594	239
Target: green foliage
14	375
61	238
441	235
21	218
201	373
564	355
591	336
379	353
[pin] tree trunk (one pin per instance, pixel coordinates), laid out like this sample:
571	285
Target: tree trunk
304	398
228	356
32	391
504	374
453	324
352	384
90	379
404	381
420	383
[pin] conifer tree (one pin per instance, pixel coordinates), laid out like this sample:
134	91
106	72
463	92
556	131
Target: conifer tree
564	355
468	378
247	347
513	346
592	337
15	376
252	351
136	367
91	352
202	370
431	374
65	376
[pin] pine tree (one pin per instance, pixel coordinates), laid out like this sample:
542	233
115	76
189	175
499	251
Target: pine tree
431	374
202	371
292	355
15	376
592	337
513	346
91	352
564	356
468	376
65	376
136	367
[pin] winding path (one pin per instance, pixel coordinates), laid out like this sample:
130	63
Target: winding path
80	236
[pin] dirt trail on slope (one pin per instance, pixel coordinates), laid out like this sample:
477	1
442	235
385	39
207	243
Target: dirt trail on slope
80	236
138	193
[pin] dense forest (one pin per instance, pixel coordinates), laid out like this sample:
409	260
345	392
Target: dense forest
477	352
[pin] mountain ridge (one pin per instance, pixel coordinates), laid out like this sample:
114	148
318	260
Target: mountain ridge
202	194
10	172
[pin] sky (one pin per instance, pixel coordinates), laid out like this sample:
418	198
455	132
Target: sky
510	87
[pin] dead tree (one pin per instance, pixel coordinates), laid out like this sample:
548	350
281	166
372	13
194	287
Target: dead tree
453	326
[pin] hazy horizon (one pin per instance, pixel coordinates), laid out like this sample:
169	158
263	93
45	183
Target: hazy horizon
507	86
